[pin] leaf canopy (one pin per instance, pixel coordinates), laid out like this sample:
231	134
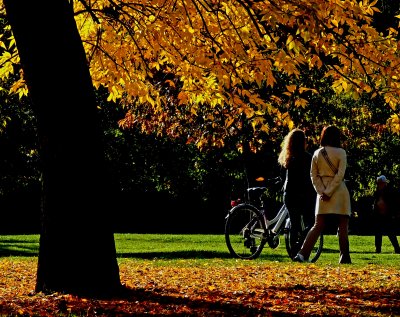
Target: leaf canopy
202	69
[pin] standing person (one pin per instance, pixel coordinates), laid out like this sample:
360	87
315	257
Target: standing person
333	202
384	213
298	192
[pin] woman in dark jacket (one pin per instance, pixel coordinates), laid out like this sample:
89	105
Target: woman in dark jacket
299	195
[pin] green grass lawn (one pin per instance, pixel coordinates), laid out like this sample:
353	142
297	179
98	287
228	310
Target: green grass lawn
209	248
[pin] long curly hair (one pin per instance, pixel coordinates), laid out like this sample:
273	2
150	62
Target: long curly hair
293	145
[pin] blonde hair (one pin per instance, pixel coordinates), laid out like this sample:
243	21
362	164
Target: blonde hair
292	145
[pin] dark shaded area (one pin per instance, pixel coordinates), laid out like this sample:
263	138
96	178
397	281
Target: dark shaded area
386	19
20	211
156	212
159	212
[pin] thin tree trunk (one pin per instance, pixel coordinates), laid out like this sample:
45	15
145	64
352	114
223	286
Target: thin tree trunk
77	250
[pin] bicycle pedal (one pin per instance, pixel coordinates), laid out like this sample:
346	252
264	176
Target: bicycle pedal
249	243
273	241
268	233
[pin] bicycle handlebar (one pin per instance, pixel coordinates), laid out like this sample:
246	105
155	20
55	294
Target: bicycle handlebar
270	182
256	188
274	180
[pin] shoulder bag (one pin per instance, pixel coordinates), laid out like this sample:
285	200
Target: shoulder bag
326	157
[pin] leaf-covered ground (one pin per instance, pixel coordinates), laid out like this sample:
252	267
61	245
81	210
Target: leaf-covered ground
241	289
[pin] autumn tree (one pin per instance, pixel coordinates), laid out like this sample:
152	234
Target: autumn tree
203	64
201	69
77	252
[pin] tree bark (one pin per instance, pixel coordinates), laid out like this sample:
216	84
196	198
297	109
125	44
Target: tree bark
77	250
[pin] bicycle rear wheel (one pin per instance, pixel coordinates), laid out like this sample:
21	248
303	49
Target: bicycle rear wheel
290	243
244	232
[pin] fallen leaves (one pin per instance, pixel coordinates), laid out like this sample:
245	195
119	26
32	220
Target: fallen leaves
245	289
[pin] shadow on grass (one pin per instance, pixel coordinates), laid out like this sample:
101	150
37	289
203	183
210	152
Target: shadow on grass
170	255
18	247
29	248
174	255
351	251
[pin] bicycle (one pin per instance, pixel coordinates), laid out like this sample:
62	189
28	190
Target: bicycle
248	229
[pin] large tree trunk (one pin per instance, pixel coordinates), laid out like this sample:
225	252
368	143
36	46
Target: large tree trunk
77	250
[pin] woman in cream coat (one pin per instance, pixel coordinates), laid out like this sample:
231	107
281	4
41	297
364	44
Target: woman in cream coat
333	198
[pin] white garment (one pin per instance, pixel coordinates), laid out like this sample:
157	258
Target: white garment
325	181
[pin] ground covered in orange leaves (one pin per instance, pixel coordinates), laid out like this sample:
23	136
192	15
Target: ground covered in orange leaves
241	289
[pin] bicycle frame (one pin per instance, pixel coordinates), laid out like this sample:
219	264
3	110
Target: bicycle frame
275	224
272	225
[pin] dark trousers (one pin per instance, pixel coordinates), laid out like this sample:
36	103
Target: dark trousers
297	208
385	226
300	206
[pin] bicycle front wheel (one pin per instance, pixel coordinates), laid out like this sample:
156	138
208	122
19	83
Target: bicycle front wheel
245	232
293	246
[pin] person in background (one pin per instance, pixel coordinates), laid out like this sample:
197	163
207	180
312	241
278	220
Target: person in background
298	192
328	168
385	210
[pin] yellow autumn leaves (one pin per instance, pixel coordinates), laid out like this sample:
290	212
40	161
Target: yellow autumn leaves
216	49
214	288
213	50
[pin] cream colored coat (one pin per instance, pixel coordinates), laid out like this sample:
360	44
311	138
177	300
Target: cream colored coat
325	181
